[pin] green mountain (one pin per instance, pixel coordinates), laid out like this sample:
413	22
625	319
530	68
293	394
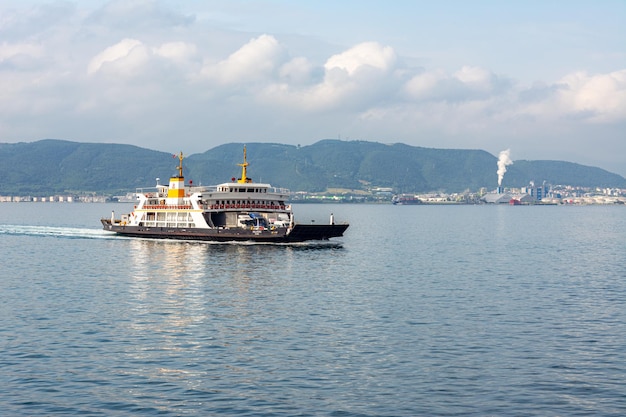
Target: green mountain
351	165
56	166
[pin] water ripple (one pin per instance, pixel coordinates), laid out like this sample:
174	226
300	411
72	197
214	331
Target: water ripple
418	311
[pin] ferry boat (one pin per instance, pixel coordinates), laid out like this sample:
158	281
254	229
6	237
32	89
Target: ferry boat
405	199
239	210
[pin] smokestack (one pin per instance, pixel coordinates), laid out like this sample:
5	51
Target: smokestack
503	161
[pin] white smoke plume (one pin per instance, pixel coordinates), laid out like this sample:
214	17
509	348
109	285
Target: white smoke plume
504	159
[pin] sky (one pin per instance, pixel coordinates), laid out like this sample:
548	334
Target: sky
545	79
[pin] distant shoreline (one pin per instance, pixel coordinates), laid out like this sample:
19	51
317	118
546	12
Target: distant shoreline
575	202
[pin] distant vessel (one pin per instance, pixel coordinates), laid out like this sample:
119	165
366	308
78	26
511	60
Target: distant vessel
405	199
240	210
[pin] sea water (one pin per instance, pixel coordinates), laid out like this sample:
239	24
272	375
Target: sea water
417	310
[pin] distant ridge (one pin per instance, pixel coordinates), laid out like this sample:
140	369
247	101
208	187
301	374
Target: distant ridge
57	166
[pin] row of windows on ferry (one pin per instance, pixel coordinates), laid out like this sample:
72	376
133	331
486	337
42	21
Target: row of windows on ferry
243	190
244	202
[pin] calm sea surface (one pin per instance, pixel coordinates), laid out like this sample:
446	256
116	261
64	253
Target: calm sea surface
420	310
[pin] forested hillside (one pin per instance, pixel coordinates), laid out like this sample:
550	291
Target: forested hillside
57	166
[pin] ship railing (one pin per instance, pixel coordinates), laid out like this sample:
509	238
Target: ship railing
248	207
160	191
151	192
166	207
202	189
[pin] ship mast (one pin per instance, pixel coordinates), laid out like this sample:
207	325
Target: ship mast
180	166
244	175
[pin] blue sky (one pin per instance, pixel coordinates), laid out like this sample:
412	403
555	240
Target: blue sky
546	79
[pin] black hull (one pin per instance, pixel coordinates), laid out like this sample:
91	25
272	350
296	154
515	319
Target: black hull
406	202
299	233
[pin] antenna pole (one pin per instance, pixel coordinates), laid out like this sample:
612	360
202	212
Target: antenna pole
244	165
180	166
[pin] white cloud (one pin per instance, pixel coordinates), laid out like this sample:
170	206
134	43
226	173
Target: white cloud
123	58
9	51
361	56
177	51
602	96
297	71
23	56
424	86
599	98
256	60
468	83
352	80
475	78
